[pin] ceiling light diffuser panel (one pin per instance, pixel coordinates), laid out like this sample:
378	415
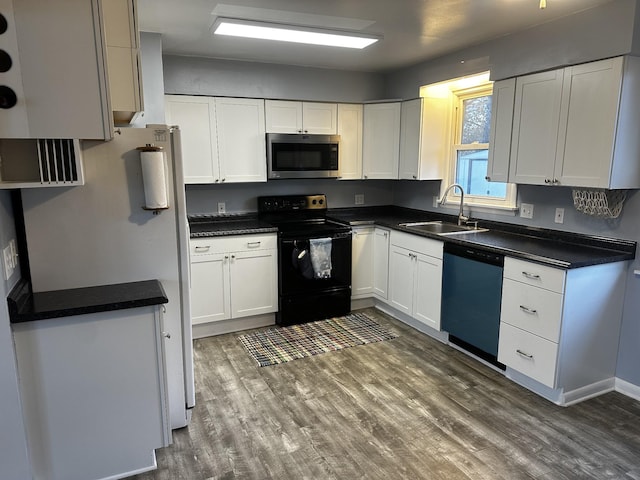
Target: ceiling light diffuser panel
290	33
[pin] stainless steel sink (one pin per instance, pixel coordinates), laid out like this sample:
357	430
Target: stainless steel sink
442	228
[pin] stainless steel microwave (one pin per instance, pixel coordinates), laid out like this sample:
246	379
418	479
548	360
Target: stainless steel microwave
302	156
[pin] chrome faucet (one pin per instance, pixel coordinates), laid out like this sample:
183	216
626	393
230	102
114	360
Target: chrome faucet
461	217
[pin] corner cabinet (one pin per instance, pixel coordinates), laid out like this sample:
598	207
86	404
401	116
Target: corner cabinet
559	329
381	263
350	150
415	277
576	126
370	263
424	138
502	102
362	258
381	140
233	277
284	116
223	139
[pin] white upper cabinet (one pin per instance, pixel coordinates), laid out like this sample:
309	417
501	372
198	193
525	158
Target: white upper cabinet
241	139
577	126
223	139
502	101
350	149
535	127
424	134
301	117
196	117
381	140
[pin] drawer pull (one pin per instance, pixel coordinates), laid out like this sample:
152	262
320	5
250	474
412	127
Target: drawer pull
203	248
253	244
528	310
524	354
531	275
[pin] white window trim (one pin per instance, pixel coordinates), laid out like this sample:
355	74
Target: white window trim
473	203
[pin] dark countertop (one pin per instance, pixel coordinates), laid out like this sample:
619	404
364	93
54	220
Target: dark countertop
221	225
25	306
549	247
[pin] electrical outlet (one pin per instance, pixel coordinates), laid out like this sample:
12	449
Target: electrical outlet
526	210
559	215
359	199
222	208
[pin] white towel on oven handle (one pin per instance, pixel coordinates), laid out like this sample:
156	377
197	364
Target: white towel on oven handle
320	250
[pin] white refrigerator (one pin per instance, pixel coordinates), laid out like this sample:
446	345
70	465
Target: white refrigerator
99	233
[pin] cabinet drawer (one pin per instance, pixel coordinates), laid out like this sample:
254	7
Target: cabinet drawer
532	309
416	243
529	354
235	243
533	274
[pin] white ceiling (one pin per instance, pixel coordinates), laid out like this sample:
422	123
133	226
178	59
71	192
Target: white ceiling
413	30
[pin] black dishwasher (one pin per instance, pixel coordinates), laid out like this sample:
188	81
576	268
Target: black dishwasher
471	296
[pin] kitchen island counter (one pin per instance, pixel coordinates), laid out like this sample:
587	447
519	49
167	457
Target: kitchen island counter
549	247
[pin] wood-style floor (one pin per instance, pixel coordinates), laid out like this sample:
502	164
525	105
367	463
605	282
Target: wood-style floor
408	408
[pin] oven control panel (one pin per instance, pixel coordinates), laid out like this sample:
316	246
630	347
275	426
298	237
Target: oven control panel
288	203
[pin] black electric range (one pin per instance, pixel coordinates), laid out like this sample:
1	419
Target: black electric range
314	258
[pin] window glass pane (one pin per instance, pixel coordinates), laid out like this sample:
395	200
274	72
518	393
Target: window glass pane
471	170
476	119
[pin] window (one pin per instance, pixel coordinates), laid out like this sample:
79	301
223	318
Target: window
471	122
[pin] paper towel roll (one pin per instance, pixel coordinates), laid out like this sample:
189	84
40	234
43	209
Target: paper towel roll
153	179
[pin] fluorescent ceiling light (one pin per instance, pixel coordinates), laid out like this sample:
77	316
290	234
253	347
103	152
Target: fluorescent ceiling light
289	33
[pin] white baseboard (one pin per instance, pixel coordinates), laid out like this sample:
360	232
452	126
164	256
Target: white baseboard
628	389
232	325
589	391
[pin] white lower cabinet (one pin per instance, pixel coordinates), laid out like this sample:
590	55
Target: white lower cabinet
233	277
415	277
370	262
381	263
362	258
560	328
94	392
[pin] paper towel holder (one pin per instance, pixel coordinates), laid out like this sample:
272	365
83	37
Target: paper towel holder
149	147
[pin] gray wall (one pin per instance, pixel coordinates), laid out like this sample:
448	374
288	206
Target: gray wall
600	32
243	197
204	76
13	441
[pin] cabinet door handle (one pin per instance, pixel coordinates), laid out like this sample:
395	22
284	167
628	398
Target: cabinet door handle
253	244
487	178
532	276
524	354
386	234
203	248
233	256
166	334
414	177
547	180
226	257
528	310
